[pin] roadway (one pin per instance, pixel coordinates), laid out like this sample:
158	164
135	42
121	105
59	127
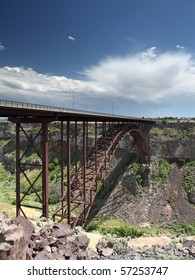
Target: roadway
19	109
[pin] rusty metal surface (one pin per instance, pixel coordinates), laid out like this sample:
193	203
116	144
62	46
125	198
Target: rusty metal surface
81	188
84	185
23	166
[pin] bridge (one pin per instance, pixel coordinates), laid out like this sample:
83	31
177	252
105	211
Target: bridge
80	183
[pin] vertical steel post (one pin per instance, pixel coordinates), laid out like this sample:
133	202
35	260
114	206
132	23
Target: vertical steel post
84	171
105	145
76	147
96	160
68	174
45	169
62	164
17	169
87	138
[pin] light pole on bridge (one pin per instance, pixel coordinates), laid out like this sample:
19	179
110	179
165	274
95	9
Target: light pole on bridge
112	107
73	92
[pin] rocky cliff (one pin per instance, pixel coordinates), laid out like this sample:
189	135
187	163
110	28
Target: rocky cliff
160	191
173	140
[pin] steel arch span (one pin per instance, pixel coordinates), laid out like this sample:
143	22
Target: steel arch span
82	188
77	191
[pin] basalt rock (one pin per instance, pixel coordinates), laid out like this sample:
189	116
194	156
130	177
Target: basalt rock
19	241
13	243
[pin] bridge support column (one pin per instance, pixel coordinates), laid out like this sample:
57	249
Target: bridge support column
17	169
96	161
45	185
25	148
85	145
68	174
62	163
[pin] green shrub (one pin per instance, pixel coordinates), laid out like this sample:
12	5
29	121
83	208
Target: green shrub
119	245
14	202
181	161
52	165
160	171
182	228
121	231
188	180
188	229
125	231
138	173
91	227
54	196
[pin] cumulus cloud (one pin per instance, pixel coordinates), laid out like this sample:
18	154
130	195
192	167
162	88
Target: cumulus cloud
18	83
146	76
2	48
151	77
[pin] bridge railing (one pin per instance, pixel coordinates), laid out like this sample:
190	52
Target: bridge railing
33	106
63	110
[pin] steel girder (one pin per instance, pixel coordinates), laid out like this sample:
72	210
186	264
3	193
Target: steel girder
36	143
82	188
78	191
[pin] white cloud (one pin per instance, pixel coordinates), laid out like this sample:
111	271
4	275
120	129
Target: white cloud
2	48
150	77
179	47
151	52
146	76
26	84
71	38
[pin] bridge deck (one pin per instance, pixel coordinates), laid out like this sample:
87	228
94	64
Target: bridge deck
19	109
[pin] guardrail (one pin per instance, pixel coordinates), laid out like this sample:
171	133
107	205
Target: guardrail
22	105
31	106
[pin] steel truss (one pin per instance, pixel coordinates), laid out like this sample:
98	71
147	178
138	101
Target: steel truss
81	182
37	143
83	186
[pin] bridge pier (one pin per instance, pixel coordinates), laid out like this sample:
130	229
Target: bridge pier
68	173
45	185
40	163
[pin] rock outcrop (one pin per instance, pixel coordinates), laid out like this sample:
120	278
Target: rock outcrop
161	202
13	238
20	241
173	140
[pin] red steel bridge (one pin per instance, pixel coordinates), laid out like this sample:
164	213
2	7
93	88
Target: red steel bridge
78	185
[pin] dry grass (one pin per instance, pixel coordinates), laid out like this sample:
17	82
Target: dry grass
149	241
8	208
11	210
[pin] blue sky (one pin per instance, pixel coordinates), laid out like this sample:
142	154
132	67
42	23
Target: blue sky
129	57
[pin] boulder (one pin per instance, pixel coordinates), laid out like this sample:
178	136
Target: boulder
81	242
106	252
13	245
26	225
